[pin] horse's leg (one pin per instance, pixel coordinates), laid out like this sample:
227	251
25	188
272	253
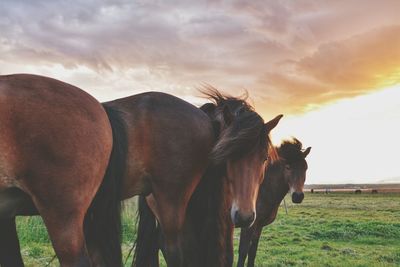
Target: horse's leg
193	250
10	254
229	245
172	214
172	199
65	228
253	247
244	245
155	261
173	241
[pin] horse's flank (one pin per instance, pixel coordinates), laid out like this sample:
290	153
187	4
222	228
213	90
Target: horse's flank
55	145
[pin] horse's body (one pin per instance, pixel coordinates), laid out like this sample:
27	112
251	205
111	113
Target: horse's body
169	141
234	176
55	146
284	175
163	130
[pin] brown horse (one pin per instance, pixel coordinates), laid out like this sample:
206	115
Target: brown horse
286	174
56	142
169	142
227	191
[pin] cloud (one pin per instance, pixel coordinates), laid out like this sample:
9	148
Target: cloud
291	56
340	69
358	62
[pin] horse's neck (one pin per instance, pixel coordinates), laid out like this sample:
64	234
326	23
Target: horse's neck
275	186
208	212
271	193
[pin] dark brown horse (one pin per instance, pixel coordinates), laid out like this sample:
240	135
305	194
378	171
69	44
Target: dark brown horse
169	142
227	191
56	142
284	175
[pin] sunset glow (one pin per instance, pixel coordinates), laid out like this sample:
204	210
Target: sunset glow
353	141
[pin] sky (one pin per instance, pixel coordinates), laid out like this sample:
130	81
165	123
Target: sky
332	67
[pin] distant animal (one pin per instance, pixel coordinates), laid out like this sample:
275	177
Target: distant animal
312	190
287	174
374	191
58	158
357	191
226	195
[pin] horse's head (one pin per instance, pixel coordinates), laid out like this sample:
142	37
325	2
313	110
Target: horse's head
245	174
294	167
242	147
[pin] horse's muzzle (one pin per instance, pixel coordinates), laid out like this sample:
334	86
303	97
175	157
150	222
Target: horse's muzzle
241	220
297	197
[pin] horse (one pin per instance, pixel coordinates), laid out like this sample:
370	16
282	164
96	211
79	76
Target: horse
226	193
164	144
286	174
58	158
169	142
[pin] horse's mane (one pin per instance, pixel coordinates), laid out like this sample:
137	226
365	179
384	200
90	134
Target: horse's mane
291	150
246	131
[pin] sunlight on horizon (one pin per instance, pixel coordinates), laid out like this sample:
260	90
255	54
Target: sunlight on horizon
355	140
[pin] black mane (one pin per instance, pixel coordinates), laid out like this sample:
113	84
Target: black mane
291	150
245	133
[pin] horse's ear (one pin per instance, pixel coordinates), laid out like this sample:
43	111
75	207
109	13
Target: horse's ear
228	116
307	151
272	123
208	108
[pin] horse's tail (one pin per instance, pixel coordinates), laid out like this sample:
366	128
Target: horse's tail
147	236
103	219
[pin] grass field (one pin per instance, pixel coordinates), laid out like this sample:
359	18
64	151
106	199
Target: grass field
339	229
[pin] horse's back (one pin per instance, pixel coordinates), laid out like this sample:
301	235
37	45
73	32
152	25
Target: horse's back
26	91
162	107
47	130
165	134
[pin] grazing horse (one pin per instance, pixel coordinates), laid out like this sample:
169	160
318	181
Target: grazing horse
58	159
227	193
284	175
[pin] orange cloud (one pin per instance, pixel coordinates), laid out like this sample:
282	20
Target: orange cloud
356	63
353	66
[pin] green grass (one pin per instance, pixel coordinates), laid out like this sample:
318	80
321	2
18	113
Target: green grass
338	229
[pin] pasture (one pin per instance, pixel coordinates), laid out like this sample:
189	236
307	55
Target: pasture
337	229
